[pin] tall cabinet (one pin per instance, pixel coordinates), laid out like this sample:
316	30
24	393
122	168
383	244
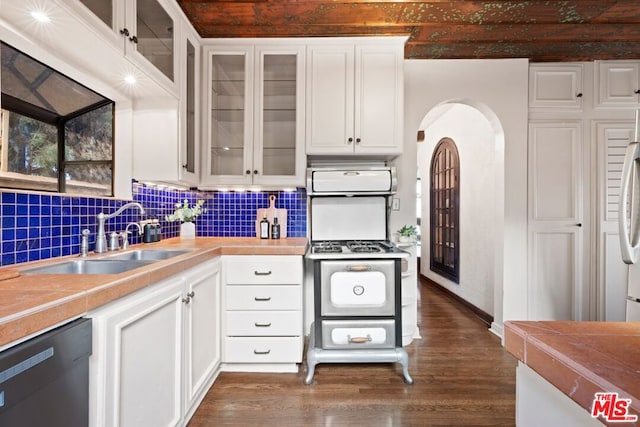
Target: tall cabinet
254	115
558	220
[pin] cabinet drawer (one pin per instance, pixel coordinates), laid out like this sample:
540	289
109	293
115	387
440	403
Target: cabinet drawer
360	334
263	297
263	323
263	350
270	270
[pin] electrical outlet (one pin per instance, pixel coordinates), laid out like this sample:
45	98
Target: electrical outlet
395	204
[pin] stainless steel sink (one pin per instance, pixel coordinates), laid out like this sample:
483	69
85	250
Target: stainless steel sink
149	254
89	266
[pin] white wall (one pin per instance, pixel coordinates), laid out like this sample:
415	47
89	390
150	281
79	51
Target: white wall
475	140
499	89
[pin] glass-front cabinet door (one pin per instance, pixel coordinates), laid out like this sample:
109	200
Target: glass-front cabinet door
279	154
256	100
143	28
228	157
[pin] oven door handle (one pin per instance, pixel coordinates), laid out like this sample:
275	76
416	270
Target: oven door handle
359	340
358	267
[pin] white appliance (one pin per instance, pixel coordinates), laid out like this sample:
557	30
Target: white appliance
629	222
357	270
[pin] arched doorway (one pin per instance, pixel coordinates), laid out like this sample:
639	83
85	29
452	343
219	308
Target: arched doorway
479	137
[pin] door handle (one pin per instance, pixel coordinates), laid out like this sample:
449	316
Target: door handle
629	233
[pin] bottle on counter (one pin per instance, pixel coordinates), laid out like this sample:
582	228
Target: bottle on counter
264	228
275	229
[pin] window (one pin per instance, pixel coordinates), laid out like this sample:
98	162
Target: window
55	134
445	210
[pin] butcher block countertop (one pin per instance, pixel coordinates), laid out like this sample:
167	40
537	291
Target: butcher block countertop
31	303
581	358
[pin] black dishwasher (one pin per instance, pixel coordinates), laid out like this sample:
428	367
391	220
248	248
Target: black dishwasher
45	381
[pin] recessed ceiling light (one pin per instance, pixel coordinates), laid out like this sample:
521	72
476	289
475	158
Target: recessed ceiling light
40	16
130	79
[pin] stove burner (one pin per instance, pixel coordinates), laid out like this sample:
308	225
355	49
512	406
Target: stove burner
327	248
364	247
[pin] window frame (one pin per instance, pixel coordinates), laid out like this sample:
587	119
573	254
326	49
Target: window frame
445	252
26	109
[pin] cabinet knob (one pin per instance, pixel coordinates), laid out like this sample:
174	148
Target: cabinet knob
134	39
186	300
124	32
579	224
579	95
357	140
248	172
255	171
637	91
350	140
184	166
191	294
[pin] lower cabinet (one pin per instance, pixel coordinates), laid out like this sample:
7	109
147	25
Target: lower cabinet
156	352
262	314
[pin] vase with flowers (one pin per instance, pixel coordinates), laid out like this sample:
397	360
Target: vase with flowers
186	214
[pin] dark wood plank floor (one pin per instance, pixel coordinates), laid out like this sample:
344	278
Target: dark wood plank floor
462	376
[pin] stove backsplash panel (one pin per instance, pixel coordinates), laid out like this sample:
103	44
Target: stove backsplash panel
38	226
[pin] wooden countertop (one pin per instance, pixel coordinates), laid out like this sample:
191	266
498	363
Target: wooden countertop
581	358
31	303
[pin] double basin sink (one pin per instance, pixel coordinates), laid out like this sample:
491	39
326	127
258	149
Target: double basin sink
112	264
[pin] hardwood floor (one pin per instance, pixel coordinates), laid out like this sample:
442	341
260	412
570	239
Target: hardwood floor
462	376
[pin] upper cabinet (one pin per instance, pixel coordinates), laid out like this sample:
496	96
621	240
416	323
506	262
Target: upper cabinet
553	86
166	131
145	31
355	97
618	83
254	115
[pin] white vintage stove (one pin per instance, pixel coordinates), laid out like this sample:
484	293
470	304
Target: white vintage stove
356	269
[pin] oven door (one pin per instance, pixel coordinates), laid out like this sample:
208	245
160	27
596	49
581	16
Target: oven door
357	287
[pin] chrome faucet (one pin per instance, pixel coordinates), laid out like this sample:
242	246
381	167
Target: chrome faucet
101	238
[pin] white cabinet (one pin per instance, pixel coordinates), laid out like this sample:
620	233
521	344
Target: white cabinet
144	29
618	83
355	97
558	251
553	86
166	130
262	320
202	332
156	352
612	138
136	364
189	137
254	115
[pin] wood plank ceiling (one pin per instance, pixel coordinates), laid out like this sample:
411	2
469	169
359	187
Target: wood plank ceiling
541	30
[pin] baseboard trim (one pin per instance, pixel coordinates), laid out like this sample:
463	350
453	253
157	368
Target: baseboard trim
485	317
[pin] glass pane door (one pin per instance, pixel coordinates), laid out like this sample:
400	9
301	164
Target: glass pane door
154	31
279	115
227	114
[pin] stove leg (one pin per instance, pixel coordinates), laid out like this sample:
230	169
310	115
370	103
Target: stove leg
312	361
403	359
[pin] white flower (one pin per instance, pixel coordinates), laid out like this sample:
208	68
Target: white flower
185	213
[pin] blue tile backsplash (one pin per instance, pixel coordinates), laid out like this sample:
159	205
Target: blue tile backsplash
44	225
